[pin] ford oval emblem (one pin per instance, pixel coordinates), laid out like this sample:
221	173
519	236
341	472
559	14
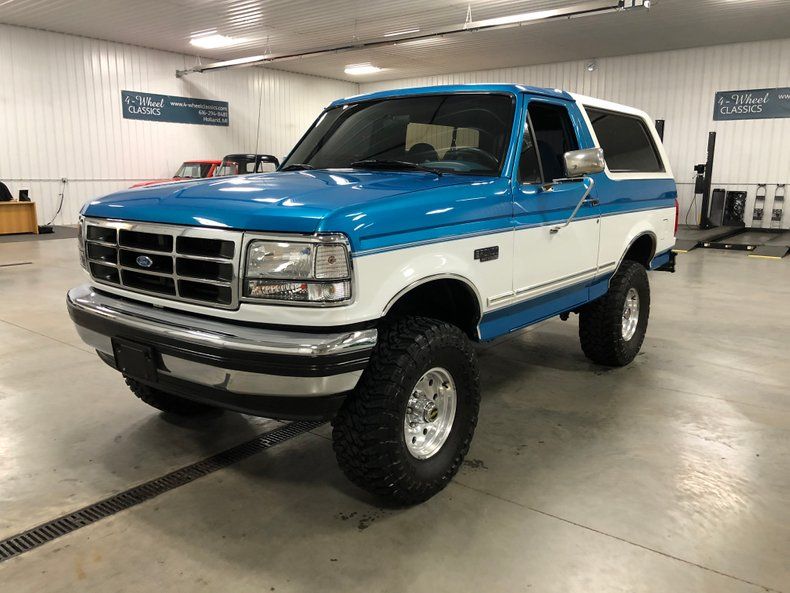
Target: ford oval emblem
144	261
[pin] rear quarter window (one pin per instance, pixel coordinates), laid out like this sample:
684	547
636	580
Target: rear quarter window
628	145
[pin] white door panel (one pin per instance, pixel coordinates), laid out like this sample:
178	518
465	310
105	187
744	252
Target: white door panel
544	260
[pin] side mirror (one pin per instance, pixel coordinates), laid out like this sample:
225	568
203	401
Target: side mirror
579	163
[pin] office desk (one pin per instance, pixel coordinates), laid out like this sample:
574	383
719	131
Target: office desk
18	217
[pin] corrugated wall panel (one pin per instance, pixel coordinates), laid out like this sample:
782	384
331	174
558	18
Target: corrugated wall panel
678	86
60	115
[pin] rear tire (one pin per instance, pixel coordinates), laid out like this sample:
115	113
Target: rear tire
612	328
167	402
392	437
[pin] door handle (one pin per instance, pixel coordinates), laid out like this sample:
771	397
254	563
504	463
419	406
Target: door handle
592	201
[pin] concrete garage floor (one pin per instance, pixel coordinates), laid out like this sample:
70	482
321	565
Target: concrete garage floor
672	474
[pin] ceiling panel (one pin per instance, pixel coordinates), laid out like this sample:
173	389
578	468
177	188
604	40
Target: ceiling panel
289	26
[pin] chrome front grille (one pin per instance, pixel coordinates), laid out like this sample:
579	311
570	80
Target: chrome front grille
189	264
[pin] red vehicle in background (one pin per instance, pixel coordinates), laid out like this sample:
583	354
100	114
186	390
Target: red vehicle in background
188	170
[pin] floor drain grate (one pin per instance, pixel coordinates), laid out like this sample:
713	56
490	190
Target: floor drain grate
46	532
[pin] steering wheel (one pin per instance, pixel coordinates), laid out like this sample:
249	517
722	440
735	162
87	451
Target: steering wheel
476	155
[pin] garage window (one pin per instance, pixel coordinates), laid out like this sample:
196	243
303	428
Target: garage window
627	144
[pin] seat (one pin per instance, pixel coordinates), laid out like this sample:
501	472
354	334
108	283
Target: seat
421	152
5	194
553	167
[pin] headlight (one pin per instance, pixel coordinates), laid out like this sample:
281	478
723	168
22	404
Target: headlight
267	259
314	272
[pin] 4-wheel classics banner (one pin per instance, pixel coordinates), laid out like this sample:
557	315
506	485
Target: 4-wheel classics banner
169	108
752	104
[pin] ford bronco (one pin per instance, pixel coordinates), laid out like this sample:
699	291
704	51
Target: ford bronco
351	283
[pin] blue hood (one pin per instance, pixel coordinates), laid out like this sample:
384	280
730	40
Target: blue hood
302	202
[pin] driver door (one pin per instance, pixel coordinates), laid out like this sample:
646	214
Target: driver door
552	270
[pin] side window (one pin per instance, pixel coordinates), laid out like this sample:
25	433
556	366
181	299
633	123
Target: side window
554	136
528	167
627	144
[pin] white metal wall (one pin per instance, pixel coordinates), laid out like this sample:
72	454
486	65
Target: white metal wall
60	111
60	115
678	86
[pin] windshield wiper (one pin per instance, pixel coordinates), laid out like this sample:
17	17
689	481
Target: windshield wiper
297	167
393	165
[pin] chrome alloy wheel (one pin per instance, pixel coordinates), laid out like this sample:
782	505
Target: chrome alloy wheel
430	413
630	314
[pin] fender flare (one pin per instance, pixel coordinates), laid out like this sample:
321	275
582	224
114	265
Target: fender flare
644	233
425	280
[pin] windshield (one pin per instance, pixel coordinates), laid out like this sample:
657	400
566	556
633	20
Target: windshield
227	168
460	133
193	170
241	164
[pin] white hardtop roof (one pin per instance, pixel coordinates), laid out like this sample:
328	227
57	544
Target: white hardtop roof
608	105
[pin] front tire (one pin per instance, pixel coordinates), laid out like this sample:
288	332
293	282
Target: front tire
405	430
612	328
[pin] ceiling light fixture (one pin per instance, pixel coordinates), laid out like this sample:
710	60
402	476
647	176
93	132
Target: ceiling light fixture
580	9
214	41
234	62
423	41
626	4
240	61
513	19
403	32
360	69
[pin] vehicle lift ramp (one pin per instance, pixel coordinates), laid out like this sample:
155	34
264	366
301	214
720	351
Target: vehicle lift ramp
778	246
692	236
722	217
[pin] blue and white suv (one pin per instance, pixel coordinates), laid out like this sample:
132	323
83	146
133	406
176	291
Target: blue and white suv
351	283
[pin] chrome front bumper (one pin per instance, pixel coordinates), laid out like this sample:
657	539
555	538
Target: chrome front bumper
222	356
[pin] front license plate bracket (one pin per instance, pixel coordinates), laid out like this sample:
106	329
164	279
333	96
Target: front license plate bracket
135	360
